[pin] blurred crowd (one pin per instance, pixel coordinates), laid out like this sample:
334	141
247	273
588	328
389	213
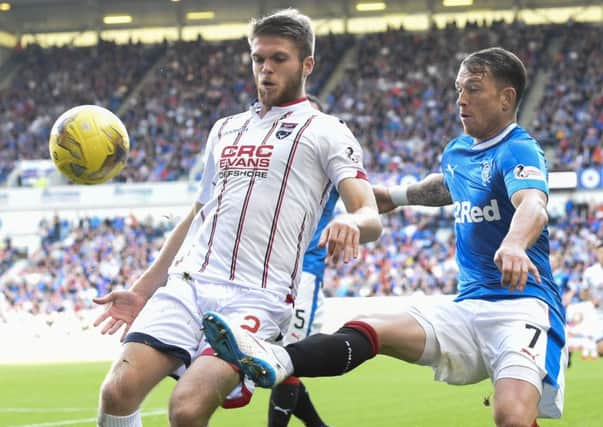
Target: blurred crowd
174	92
398	97
50	81
79	260
570	115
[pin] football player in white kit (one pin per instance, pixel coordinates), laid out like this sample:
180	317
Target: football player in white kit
268	173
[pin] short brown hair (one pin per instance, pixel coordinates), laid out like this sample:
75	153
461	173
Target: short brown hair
288	23
504	65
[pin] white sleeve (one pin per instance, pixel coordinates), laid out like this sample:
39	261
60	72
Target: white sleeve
340	152
208	179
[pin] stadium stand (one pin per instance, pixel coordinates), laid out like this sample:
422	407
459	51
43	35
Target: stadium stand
191	85
78	260
398	99
570	115
50	81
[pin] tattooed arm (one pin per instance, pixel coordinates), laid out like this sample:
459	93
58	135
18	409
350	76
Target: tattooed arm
430	191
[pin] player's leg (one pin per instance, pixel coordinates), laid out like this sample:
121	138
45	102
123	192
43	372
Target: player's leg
515	402
284	398
319	355
523	345
600	347
209	381
137	370
305	409
201	390
164	336
291	397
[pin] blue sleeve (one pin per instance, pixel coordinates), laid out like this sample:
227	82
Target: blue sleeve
523	166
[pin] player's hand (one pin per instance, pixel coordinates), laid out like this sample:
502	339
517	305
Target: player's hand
514	264
342	235
122	309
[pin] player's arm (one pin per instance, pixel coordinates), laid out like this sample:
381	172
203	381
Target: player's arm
430	191
124	306
360	225
528	221
156	275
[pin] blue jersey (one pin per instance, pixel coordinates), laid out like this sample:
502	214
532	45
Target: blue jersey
314	258
481	179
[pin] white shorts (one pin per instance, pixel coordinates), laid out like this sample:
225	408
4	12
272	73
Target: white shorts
171	320
516	338
308	309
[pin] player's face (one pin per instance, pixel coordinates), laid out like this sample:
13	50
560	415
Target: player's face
485	107
277	69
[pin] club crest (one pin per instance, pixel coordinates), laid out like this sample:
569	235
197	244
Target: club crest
486	171
285	130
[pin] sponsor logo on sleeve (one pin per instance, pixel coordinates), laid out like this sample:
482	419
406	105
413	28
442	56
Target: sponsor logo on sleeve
528	172
352	155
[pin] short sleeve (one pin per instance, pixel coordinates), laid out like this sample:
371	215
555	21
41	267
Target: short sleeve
523	166
208	182
340	152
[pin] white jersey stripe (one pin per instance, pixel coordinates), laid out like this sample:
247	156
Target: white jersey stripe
280	199
220	196
235	252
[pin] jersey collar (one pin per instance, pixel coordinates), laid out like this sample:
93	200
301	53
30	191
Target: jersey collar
495	139
296	104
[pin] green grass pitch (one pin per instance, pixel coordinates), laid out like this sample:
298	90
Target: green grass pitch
382	393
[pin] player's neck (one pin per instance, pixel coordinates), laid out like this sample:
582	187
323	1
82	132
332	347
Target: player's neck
495	131
266	108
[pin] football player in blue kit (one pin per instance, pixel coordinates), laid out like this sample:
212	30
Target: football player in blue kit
507	322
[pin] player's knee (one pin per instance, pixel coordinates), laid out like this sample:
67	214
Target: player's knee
184	411
118	397
513	414
119	394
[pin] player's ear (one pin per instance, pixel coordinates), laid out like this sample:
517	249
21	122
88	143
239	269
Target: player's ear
308	65
508	97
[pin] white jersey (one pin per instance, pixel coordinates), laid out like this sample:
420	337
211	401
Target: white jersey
593	280
265	184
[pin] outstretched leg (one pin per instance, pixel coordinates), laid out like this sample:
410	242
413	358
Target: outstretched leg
318	355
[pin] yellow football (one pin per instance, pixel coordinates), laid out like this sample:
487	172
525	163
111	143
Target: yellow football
89	144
